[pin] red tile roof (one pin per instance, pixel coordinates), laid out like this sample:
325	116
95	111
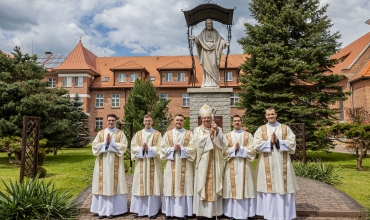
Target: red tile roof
80	59
351	53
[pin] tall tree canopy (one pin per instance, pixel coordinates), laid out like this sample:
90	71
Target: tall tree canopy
288	65
23	93
144	99
82	124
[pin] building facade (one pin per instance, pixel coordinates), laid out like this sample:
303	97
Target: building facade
104	83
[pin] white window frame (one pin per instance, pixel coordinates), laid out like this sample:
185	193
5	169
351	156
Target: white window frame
115	100
229	76
133	77
98	123
168	77
234	98
105	79
122	77
67	81
99	100
78	81
181	77
163	96
185	100
52	83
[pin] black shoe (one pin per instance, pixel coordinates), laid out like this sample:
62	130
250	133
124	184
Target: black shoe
101	217
232	218
111	217
136	216
184	218
167	217
154	216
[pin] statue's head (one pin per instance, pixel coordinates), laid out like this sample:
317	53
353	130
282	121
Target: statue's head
209	24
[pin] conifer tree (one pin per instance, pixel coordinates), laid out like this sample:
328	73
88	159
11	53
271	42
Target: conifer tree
23	93
144	99
82	124
288	65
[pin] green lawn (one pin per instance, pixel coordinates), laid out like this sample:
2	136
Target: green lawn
71	167
354	182
68	168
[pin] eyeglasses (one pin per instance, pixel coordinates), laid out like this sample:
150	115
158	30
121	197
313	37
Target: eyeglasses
111	120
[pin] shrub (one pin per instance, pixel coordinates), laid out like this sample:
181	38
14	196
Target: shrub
41	156
317	170
41	171
36	199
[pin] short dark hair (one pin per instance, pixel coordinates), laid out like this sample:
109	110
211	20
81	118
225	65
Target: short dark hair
181	115
237	116
113	116
269	109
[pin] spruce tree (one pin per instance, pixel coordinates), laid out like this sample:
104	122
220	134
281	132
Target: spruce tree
144	99
82	124
288	66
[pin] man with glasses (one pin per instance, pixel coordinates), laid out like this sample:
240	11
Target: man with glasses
109	180
147	181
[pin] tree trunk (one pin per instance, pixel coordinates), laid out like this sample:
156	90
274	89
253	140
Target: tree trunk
55	151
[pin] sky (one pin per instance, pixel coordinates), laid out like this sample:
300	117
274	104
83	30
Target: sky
138	27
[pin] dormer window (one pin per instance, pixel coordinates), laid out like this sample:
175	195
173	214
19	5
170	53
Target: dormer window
105	79
168	77
152	78
181	77
121	77
133	77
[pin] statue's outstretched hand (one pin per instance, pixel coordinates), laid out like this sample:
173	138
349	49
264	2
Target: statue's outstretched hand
191	38
227	43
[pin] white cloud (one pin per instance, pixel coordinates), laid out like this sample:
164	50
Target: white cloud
143	27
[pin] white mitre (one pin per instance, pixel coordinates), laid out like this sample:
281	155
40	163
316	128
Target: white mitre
205	111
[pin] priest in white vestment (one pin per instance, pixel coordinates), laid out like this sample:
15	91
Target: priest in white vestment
276	180
147	181
208	166
239	191
109	181
177	148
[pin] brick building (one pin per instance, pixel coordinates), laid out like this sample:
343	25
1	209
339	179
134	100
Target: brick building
355	66
104	83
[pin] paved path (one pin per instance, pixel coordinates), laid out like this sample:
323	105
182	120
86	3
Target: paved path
314	200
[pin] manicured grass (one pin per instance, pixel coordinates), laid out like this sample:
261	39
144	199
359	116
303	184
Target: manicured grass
355	183
70	169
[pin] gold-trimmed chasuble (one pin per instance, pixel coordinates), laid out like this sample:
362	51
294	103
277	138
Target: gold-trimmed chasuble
267	162
183	163
116	163
151	163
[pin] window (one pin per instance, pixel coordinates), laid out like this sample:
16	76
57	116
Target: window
181	77
52	83
79	81
67	81
163	96
133	77
229	76
185	100
121	77
152	78
168	77
115	100
105	79
234	99
98	124
99	100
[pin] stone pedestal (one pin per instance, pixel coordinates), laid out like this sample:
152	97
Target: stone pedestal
218	98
